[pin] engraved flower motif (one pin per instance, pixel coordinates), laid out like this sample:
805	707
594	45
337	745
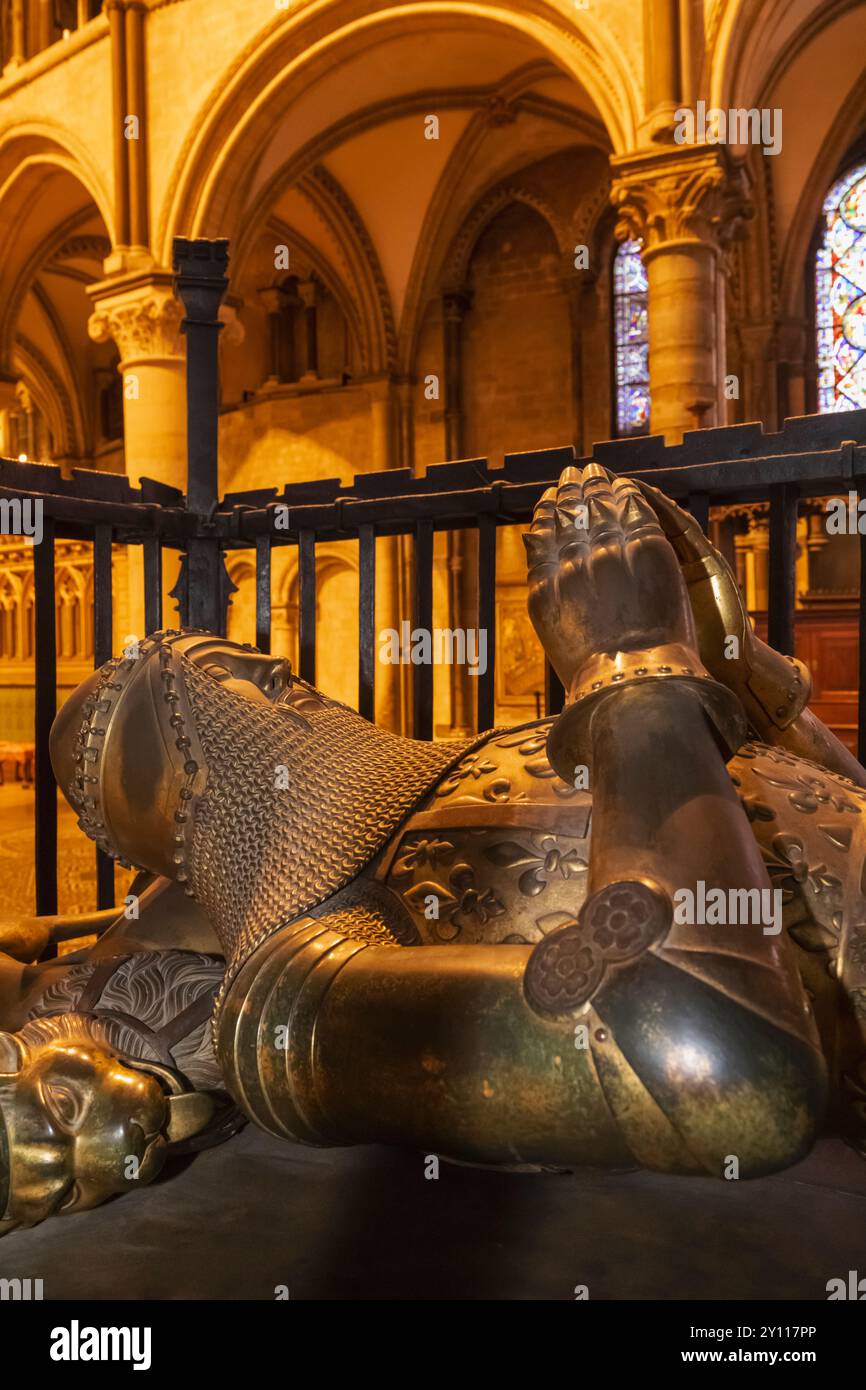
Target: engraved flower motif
541	861
415	853
462	898
475	766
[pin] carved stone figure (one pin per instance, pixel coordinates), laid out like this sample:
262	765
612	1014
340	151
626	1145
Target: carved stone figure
545	946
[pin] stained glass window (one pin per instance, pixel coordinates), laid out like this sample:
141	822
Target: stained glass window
631	340
840	296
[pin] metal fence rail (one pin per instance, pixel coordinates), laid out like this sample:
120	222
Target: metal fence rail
812	456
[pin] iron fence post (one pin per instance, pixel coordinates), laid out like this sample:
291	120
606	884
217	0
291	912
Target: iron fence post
201	283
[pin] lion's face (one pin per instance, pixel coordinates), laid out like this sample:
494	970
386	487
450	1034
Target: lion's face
80	1127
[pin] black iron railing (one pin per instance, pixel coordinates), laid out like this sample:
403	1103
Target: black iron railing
810	457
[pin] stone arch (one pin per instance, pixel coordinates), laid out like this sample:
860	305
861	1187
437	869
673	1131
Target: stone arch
11	644
458	195
337	618
515	359
28	616
336	208
25	144
209	183
241	570
312	261
74	632
752	40
52	395
485	212
74	221
835	152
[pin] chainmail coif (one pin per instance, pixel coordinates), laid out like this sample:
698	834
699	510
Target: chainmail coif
270	845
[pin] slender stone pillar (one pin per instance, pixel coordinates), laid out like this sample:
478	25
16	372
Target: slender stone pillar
142	315
119	111
309	292
274	300
759	532
8	406
791	355
139	228
662	79
18	37
685	204
461	546
759	387
455	303
391	695
25	405
45	24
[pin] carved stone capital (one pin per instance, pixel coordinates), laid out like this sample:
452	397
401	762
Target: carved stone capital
685	194
142	318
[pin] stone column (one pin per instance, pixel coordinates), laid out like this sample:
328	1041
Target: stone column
309	292
758	388
791	354
577	288
662	78
45	24
274	299
461	545
142	315
24	402
17	36
383	443
8	406
759	533
392	600
745	558
455	303
136	149
406	427
685	203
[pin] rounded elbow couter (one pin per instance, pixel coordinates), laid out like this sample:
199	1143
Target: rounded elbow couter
460	1062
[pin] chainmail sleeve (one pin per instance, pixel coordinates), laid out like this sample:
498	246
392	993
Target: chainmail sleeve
295	807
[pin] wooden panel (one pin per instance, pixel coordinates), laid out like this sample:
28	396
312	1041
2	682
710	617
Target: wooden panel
828	642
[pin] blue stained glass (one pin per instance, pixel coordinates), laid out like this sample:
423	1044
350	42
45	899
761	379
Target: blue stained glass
844	356
631	339
840	296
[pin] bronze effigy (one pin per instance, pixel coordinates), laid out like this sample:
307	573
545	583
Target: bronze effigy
482	948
